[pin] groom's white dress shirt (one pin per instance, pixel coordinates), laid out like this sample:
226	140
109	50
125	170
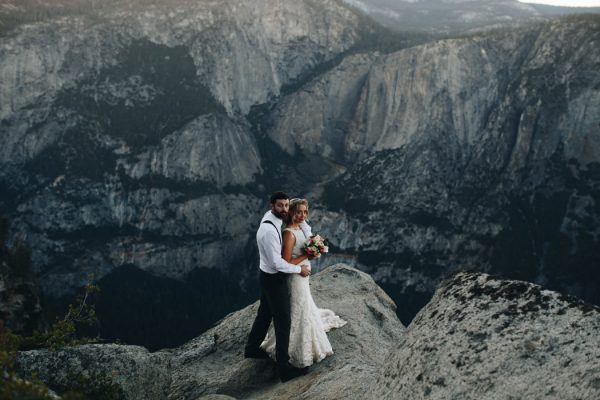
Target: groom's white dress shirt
269	241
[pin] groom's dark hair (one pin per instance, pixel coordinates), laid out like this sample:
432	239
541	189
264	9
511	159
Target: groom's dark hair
279	196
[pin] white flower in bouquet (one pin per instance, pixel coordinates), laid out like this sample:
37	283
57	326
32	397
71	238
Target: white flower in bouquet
315	246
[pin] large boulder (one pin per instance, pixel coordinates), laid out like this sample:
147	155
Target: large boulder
132	369
485	338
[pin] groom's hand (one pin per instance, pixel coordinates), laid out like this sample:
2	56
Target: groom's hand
304	270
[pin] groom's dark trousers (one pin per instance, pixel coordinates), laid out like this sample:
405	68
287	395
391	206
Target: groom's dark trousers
274	304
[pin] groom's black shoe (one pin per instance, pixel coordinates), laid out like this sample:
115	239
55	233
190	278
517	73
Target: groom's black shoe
285	374
259	353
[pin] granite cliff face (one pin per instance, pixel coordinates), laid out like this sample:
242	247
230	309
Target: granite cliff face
479	337
125	137
481	152
149	134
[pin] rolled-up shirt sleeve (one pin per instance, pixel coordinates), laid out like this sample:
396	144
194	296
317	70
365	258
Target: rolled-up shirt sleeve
273	254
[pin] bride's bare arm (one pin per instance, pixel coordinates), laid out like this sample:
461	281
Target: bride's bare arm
289	240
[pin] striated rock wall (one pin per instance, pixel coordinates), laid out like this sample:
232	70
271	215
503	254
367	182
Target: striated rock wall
124	137
241	51
472	151
461	93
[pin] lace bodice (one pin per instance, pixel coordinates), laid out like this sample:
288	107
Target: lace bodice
298	249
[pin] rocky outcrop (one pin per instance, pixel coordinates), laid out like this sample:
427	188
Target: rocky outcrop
213	363
482	337
478	337
138	373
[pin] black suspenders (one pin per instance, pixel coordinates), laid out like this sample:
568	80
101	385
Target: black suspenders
278	234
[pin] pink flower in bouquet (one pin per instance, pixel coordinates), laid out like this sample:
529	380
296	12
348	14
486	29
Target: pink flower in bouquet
316	245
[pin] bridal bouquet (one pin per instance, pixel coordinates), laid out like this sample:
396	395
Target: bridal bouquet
316	245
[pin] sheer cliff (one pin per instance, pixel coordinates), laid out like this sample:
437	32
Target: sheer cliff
124	132
480	152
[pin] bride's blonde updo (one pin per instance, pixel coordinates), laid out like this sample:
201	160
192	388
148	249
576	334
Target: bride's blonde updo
294	204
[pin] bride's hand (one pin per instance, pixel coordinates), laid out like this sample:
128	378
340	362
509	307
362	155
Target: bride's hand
304	270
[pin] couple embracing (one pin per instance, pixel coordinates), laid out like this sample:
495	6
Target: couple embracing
298	336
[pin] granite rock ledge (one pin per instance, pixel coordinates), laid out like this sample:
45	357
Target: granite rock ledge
479	337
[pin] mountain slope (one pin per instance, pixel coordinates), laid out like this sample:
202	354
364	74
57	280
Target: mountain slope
443	16
124	130
480	152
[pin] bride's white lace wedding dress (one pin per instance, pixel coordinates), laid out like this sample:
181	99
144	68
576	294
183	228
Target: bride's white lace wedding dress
308	339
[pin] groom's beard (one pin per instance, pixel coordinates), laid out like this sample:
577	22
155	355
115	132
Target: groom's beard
280	215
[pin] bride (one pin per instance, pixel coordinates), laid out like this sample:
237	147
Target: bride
308	340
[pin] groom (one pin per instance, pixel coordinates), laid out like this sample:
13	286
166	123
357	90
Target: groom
274	294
